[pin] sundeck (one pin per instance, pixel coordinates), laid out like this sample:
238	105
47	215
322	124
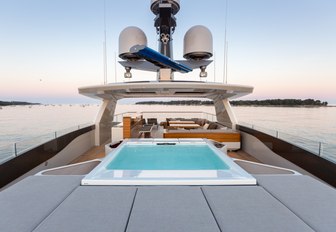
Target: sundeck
273	187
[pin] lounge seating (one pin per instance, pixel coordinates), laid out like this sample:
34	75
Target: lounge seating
206	124
152	121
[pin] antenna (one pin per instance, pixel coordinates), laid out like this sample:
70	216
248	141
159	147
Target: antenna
225	44
214	66
104	46
226	61
115	67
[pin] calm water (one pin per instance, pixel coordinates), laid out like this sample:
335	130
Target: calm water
167	157
23	122
316	124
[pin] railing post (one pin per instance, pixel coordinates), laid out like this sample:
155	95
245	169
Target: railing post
277	134
320	149
78	127
15	150
55	134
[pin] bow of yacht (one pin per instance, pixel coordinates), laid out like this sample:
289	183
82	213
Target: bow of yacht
167	170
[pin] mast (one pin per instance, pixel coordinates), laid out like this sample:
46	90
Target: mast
225	45
165	23
104	46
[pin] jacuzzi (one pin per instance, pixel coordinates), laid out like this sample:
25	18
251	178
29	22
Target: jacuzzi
168	162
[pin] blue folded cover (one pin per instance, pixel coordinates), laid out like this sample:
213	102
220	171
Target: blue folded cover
158	59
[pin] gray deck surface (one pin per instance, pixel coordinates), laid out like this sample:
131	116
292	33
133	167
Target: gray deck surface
92	209
26	204
171	208
310	201
58	203
251	208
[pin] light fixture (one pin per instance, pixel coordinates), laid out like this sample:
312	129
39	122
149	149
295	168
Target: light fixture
128	73
203	73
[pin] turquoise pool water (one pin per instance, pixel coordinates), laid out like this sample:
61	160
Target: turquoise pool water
167	157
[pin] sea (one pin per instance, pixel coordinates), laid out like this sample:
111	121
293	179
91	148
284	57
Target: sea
311	127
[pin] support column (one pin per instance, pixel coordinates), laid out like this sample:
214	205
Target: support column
104	122
224	113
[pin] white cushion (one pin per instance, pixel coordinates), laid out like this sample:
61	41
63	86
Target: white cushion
206	125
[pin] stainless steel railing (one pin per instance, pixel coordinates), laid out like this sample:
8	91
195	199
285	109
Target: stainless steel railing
10	151
322	149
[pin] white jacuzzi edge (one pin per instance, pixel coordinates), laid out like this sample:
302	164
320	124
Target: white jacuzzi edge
235	175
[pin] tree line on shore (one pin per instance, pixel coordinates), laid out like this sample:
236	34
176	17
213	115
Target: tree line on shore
16	103
267	102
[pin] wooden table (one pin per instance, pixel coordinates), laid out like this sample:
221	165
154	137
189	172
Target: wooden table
181	122
185	125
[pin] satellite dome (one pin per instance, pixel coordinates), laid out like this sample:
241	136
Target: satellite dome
129	37
198	43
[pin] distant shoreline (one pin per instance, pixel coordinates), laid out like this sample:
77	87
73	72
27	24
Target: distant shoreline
268	102
16	103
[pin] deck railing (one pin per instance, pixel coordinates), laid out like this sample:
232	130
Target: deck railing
327	151
322	149
13	150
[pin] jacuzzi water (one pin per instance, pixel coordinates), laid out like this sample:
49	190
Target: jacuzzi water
167	157
168	162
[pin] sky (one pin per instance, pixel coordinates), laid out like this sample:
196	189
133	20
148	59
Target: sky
285	49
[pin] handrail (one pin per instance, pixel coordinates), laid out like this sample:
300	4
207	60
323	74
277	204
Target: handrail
25	162
322	149
10	151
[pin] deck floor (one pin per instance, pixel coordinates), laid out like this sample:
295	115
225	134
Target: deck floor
240	154
96	152
60	203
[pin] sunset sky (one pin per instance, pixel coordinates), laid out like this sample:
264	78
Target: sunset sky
285	49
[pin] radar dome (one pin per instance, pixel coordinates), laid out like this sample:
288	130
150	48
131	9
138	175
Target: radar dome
129	37
197	43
